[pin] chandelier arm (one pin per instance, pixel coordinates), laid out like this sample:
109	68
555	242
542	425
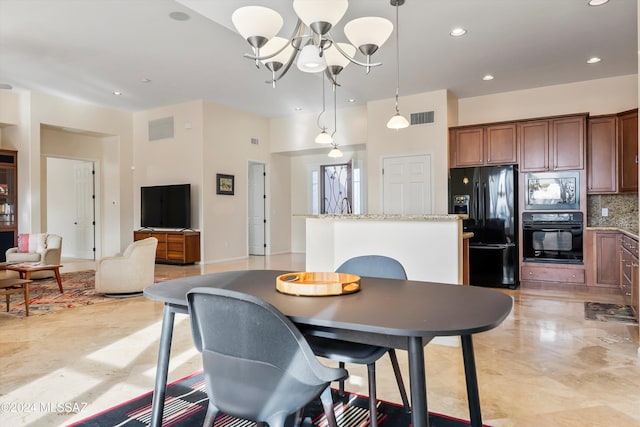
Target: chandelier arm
294	35
332	78
284	69
352	60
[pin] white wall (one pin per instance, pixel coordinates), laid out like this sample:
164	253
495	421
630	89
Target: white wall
603	96
32	110
428	139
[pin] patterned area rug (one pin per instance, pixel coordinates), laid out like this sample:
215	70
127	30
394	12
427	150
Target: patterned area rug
609	312
186	405
45	297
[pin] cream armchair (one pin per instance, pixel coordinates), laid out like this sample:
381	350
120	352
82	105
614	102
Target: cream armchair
130	272
50	255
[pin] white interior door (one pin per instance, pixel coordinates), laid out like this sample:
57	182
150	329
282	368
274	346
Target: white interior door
85	215
257	201
407	185
70	205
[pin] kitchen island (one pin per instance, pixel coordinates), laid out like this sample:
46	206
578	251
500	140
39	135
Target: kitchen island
430	247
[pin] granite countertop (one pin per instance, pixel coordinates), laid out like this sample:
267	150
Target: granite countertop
378	217
631	233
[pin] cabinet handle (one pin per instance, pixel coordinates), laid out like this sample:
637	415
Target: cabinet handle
636	159
530	273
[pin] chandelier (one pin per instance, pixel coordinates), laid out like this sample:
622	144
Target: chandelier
311	46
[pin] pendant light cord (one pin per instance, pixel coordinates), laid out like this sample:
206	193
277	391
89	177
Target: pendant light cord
397	55
323	106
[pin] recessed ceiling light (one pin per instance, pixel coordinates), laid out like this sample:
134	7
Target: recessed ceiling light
488	77
597	2
457	32
145	80
298	108
593	60
352	100
117	93
179	16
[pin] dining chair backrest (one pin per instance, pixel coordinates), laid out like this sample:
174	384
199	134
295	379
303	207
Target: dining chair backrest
374	266
257	364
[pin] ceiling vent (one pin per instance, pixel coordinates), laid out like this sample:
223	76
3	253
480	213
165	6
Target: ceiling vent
161	128
422	118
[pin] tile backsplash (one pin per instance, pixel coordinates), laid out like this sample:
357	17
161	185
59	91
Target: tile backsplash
623	211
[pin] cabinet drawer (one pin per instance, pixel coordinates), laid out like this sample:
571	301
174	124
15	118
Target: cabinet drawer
630	245
175	246
545	274
173	238
175	255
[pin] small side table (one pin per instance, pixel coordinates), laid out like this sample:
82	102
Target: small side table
13	286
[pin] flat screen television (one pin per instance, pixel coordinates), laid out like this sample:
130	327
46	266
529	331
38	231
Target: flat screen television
165	206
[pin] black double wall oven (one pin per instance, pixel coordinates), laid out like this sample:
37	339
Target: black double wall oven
552	225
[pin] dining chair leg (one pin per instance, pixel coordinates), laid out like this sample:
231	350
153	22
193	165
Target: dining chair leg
297	421
210	417
373	410
396	371
327	405
341	382
8	299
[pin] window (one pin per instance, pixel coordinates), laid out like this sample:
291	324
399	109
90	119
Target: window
336	189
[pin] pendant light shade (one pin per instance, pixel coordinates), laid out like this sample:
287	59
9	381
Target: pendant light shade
335	152
368	33
320	15
397	121
310	60
323	138
335	59
257	24
273	46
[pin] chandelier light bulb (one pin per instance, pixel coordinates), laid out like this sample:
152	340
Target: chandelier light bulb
310	60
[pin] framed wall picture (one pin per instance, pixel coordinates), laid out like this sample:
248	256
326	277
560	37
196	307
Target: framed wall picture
224	184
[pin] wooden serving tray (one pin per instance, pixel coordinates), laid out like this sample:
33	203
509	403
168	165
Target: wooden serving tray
317	283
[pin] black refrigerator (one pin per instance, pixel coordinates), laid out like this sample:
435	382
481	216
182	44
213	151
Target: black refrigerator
488	195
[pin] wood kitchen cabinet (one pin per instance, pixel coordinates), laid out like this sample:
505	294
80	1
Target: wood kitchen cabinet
629	271
612	153
628	158
483	145
552	145
602	155
607	258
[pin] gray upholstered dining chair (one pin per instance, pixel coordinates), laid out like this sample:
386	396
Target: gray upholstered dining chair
257	364
349	352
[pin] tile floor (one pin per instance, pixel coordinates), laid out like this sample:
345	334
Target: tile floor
544	366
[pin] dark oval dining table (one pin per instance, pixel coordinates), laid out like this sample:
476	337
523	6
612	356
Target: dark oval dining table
402	314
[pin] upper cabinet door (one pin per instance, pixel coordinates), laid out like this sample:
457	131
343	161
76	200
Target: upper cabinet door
567	140
467	147
501	146
602	155
534	145
628	140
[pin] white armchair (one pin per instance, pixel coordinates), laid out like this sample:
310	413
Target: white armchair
130	272
49	254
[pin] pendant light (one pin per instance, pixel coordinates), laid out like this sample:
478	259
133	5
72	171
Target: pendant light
335	151
323	137
397	121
